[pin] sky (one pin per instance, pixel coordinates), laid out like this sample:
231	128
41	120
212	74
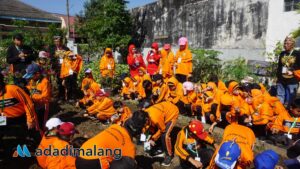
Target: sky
59	6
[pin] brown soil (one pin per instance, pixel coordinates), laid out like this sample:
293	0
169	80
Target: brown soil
89	128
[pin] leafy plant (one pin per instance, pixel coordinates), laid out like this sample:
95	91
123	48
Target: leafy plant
205	64
235	69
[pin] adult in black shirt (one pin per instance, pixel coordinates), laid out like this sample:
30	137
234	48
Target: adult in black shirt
289	61
19	56
56	55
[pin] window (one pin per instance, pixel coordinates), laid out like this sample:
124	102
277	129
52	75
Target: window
291	5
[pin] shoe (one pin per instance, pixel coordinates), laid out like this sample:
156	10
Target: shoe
167	161
156	153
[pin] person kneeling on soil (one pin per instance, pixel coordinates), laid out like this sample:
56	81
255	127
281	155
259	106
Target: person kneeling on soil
287	123
163	117
128	91
49	137
65	134
123	113
191	146
237	138
102	108
116	143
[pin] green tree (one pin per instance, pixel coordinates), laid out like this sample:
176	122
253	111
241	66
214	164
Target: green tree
105	23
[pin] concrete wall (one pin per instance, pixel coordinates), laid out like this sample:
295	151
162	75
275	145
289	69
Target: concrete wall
235	27
280	23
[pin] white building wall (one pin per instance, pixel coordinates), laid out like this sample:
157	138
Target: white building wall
280	23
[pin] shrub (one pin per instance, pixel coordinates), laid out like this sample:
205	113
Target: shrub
205	64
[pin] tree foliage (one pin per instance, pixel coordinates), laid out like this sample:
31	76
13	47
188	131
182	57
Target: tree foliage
105	23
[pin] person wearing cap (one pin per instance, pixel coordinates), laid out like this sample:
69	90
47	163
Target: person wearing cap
160	89
167	61
70	68
153	59
163	117
267	159
115	137
122	114
227	156
128	91
107	64
288	122
135	60
236	138
19	56
102	108
65	133
49	137
191	146
189	97
288	65
44	63
40	91
183	60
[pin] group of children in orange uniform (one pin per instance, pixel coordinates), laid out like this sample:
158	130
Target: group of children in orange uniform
164	90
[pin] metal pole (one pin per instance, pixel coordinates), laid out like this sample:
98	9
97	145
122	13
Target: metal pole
68	20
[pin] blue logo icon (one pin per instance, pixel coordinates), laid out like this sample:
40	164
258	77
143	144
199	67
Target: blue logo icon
23	152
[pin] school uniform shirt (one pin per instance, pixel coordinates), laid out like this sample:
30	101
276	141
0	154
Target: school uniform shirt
60	161
16	103
114	137
153	62
285	123
103	107
135	61
186	146
40	91
71	66
245	138
107	66
124	116
160	114
45	143
166	63
184	62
